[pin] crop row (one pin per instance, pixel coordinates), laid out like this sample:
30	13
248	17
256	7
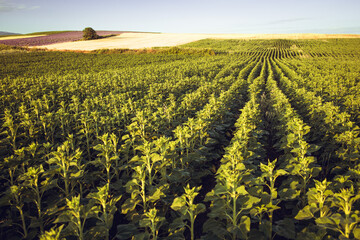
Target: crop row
220	147
334	82
337	152
32	130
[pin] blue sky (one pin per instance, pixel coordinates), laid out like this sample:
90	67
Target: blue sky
185	16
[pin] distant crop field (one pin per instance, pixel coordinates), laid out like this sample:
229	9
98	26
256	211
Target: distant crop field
214	139
19	37
140	40
50	39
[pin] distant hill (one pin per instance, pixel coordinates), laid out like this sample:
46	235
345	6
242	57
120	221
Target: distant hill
8	33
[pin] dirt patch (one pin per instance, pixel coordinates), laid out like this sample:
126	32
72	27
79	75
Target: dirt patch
130	41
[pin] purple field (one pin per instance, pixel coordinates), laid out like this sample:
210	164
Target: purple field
53	38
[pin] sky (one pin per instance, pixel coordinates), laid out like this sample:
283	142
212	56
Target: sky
185	16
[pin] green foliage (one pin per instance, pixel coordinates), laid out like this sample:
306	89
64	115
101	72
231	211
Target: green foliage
153	222
187	208
108	156
186	51
65	162
101	146
231	202
4	47
89	34
76	215
52	234
107	209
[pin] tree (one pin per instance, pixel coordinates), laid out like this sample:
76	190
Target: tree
89	34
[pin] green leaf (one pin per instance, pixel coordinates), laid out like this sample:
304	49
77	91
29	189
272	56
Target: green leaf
5	199
135	159
218	208
306	213
285	228
129	205
274	194
176	235
64	217
288	193
265	198
78	174
315	171
200	208
96	232
219	189
146	222
156	195
156	157
313	148
245	225
210	196
126	231
256	191
281	172
241	190
179	204
356	233
215	227
248	201
70	229
176	229
52	234
271	207
178	223
312	232
141	236
265	227
132	185
328	222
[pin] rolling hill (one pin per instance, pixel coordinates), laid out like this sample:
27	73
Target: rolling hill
7	33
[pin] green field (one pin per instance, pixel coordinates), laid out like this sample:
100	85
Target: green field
216	139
